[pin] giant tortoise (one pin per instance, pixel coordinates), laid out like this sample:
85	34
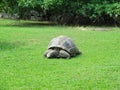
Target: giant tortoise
61	47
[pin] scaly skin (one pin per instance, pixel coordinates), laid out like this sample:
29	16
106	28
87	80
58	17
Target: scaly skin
51	53
64	54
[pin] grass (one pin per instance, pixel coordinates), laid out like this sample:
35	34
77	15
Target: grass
23	66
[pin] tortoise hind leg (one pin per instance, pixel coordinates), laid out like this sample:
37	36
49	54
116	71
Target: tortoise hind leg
64	54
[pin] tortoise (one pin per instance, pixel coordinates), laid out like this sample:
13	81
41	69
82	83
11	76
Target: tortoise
61	47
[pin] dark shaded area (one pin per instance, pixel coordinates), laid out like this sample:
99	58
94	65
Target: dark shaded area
44	23
9	45
27	23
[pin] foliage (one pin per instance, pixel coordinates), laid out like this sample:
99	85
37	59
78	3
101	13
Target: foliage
30	3
8	6
95	10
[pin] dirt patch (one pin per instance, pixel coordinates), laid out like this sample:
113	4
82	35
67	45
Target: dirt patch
95	28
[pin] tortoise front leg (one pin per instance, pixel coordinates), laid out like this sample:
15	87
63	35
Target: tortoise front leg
64	54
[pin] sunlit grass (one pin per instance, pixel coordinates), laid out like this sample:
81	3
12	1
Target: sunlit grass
23	66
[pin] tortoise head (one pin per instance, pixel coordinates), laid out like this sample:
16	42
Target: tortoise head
52	53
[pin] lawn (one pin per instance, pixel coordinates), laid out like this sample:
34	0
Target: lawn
23	66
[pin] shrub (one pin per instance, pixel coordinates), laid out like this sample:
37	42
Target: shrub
89	12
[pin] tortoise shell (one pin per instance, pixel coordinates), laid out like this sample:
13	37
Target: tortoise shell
65	43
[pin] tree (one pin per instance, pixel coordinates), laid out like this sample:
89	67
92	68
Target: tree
95	11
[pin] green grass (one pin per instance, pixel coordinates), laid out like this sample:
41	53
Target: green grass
23	66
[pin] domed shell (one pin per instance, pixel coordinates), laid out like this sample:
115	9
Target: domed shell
64	43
